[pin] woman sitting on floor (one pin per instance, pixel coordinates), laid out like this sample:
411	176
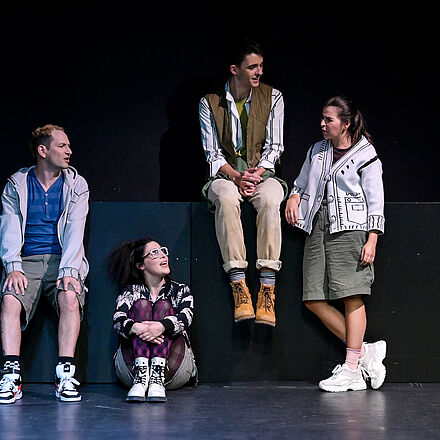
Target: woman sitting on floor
152	316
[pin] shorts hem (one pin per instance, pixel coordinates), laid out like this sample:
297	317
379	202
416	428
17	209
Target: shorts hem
336	295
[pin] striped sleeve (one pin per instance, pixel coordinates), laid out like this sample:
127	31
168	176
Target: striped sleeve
213	152
184	307
300	183
274	145
371	182
121	322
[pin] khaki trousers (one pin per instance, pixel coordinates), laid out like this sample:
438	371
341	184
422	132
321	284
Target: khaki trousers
224	195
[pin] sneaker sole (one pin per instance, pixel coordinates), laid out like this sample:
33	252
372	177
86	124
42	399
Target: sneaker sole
18	396
135	399
336	389
272	324
67	399
380	380
156	399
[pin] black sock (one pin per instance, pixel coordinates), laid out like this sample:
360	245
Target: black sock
65	359
11	364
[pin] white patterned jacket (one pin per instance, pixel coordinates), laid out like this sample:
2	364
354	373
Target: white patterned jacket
355	195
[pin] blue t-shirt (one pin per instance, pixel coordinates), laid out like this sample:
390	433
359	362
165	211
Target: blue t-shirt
44	211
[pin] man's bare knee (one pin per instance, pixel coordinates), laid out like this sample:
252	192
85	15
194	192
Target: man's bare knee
67	301
11	305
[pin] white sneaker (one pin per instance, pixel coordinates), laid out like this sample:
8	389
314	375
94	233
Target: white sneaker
65	384
10	388
344	379
156	389
140	382
372	364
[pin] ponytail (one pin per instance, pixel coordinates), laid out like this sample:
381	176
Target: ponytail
349	112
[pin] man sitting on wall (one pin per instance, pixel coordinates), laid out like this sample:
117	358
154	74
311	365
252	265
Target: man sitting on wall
242	135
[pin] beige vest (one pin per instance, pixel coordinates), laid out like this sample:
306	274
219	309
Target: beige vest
260	106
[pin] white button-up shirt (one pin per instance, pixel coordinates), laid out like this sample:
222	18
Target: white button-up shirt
273	146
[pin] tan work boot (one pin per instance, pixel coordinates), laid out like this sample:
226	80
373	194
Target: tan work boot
266	305
242	300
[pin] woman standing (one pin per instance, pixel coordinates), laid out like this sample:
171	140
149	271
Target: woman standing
338	200
152	316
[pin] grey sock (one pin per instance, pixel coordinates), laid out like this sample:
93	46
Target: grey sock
267	278
236	275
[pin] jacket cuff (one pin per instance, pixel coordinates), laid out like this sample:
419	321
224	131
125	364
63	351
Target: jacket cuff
14	265
296	190
216	165
376	223
169	326
68	272
127	328
266	164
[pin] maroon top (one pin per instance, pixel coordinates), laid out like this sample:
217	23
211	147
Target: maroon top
339	152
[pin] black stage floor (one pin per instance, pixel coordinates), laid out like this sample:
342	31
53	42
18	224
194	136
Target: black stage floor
287	410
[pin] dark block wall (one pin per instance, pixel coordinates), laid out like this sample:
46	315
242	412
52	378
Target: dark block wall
401	310
125	83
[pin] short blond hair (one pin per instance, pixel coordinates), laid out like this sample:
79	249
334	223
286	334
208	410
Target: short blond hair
42	136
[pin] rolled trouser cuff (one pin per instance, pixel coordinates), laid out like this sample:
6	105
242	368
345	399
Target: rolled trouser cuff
269	264
235	264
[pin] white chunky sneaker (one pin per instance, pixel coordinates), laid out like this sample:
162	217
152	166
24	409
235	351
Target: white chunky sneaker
156	389
344	379
10	388
65	384
371	363
140	382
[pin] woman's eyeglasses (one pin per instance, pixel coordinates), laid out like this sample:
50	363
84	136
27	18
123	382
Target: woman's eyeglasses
155	253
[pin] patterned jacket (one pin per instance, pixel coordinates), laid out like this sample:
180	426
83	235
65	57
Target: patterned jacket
179	296
353	183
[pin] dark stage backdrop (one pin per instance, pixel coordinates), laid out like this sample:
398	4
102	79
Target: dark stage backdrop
125	84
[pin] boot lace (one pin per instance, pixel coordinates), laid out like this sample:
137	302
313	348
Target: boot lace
157	374
240	295
69	384
266	299
141	375
6	384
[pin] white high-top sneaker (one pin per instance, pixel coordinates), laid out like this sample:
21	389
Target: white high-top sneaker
156	389
10	388
65	384
140	382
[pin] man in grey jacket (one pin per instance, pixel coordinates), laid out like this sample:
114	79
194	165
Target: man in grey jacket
44	210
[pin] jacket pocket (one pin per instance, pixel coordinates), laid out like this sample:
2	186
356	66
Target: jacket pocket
356	210
304	206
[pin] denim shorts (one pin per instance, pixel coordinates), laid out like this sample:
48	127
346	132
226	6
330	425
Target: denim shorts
331	264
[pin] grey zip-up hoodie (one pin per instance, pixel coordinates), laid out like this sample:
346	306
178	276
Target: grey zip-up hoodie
70	225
